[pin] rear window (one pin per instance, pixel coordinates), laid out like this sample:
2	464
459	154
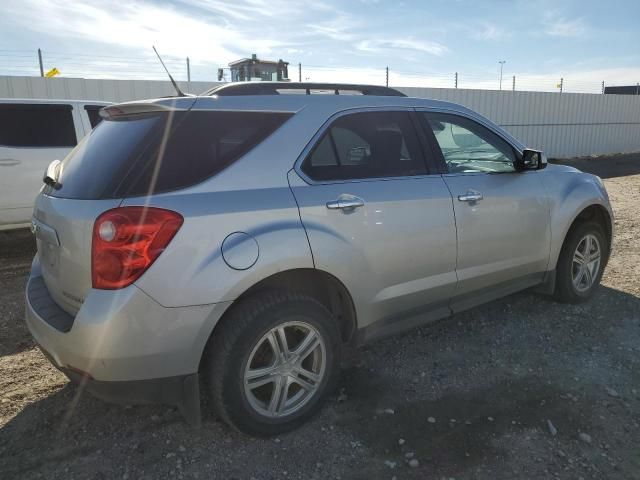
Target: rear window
37	126
144	154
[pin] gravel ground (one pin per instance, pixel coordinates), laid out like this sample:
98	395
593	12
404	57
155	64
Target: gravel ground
520	388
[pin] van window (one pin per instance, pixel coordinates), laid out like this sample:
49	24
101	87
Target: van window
93	112
36	125
152	153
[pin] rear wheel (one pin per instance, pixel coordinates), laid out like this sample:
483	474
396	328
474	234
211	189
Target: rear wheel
272	362
581	263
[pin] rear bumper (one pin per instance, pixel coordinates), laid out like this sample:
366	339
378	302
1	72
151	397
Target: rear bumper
182	391
121	335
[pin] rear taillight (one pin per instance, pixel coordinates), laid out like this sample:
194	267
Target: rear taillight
126	241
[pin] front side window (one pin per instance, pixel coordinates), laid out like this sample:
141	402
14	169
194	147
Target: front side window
468	147
36	126
366	145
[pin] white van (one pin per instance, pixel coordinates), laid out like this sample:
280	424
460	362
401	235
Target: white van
32	134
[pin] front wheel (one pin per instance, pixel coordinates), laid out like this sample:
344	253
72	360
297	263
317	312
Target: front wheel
581	263
272	362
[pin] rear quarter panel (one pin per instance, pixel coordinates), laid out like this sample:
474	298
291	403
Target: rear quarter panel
193	271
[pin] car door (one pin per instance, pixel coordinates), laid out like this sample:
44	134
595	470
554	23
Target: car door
31	136
502	215
377	220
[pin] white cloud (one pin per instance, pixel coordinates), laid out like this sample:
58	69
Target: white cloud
137	26
252	10
213	31
210	32
489	31
378	46
339	27
562	27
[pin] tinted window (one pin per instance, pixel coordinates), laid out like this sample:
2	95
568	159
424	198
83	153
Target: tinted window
93	112
137	155
95	168
367	145
26	125
468	146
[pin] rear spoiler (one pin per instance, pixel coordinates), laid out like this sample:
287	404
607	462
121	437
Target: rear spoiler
174	104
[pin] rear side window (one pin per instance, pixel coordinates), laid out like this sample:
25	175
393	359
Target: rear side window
93	112
37	126
145	154
367	145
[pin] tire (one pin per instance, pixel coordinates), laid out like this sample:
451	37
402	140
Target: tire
567	290
243	345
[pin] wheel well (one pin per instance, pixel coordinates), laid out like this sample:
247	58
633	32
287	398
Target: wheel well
320	285
598	214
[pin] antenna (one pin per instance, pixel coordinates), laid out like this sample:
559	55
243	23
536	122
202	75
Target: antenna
175	85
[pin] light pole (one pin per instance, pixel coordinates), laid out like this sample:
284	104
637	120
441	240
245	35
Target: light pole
501	62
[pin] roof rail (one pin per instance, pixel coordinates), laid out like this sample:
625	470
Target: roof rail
272	88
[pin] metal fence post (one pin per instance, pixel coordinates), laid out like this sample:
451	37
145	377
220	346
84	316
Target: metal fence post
188	71
561	84
456	80
300	72
40	60
387	71
603	87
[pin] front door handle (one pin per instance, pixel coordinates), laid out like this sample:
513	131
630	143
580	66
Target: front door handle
345	203
470	196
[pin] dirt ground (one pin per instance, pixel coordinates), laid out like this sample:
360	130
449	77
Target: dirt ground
468	398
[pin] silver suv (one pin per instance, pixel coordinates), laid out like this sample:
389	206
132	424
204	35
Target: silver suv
245	239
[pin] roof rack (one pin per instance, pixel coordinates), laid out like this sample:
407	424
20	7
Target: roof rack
273	88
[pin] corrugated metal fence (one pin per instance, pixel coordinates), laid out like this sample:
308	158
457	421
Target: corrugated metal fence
93	89
561	124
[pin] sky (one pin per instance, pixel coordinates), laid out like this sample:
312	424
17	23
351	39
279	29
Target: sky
423	43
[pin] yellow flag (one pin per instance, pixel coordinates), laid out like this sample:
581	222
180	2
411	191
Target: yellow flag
52	73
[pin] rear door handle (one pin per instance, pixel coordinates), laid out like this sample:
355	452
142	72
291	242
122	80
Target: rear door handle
470	196
8	162
345	203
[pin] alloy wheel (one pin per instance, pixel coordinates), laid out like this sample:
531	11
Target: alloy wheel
586	263
285	369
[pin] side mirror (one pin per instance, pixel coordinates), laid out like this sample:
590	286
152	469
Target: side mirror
531	160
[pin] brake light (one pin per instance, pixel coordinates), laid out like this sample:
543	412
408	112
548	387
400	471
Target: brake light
126	241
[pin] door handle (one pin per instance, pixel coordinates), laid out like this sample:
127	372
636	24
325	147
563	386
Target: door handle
345	203
470	196
8	162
